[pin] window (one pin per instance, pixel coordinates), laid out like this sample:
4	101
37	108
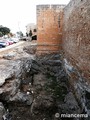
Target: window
35	30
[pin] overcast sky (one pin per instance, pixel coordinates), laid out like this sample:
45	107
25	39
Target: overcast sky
16	14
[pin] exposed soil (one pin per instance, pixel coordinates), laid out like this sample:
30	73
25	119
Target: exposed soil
46	84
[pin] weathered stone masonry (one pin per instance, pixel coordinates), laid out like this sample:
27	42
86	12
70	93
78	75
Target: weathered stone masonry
76	34
49	23
74	19
76	45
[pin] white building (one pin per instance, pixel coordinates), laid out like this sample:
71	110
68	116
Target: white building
31	27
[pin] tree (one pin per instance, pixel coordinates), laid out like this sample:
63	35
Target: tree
20	34
4	30
30	33
1	34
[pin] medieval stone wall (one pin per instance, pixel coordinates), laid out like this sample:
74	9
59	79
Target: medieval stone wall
76	45
68	29
49	25
76	35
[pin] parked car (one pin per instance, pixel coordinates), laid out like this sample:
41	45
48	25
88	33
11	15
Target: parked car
14	39
3	44
9	42
4	40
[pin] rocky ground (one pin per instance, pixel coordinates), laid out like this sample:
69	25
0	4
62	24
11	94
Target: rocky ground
34	87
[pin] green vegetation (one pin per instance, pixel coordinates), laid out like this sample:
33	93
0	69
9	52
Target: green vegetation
20	34
4	31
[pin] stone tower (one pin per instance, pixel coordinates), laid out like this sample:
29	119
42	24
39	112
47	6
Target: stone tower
49	22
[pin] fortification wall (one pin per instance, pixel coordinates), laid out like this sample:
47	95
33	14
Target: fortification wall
68	28
76	45
76	34
49	25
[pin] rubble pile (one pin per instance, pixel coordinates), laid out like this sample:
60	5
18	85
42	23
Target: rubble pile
35	88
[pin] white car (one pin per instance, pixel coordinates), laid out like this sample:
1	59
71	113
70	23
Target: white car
15	40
